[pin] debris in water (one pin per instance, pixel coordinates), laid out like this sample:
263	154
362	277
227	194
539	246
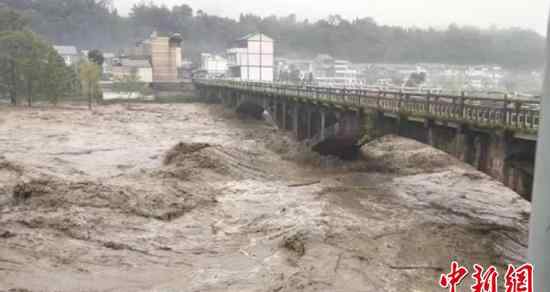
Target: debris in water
295	243
182	149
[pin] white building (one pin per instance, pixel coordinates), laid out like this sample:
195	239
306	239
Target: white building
108	63
252	58
344	74
484	77
68	53
338	73
213	65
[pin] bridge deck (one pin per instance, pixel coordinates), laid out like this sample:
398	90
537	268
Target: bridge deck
513	114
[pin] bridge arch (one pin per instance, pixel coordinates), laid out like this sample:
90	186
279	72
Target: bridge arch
251	108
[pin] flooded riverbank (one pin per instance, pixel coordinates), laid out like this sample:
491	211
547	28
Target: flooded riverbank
191	198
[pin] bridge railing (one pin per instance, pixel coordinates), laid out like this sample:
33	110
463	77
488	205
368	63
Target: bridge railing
515	114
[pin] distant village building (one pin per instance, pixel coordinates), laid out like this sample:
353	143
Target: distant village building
213	65
331	72
84	55
483	77
165	54
344	74
141	68
323	66
69	54
293	70
252	58
108	59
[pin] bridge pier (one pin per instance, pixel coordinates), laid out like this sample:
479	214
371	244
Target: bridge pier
430	132
308	123
284	117
295	120
301	121
401	125
323	124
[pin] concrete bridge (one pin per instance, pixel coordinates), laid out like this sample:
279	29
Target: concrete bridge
497	136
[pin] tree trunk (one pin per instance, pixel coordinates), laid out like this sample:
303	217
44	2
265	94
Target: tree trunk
90	96
29	91
13	87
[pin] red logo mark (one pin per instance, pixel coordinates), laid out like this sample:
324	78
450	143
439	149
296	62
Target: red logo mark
485	281
520	279
454	278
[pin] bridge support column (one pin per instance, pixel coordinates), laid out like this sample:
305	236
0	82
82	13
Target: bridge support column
469	147
283	120
461	145
225	98
323	122
499	152
430	132
295	119
276	113
231	100
308	123
481	145
340	122
401	125
265	103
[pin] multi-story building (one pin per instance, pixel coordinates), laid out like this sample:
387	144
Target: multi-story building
323	66
69	54
165	54
344	74
293	70
213	65
251	58
331	72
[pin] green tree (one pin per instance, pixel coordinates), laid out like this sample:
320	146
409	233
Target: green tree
20	57
129	84
90	74
28	66
11	41
10	20
59	79
33	63
96	56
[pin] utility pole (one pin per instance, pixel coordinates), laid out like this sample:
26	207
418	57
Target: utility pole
539	233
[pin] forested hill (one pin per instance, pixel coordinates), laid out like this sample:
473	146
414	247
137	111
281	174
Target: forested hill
95	24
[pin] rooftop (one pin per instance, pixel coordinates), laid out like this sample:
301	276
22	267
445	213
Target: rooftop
66	50
142	63
256	37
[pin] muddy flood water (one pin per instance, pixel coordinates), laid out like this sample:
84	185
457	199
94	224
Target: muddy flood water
190	197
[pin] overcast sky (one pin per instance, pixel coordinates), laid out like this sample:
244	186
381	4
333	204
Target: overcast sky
422	13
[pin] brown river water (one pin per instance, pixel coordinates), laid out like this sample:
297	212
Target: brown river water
190	197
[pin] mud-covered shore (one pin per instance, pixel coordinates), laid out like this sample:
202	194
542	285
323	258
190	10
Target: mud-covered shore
190	197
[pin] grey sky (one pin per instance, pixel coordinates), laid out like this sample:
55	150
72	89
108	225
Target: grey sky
437	13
